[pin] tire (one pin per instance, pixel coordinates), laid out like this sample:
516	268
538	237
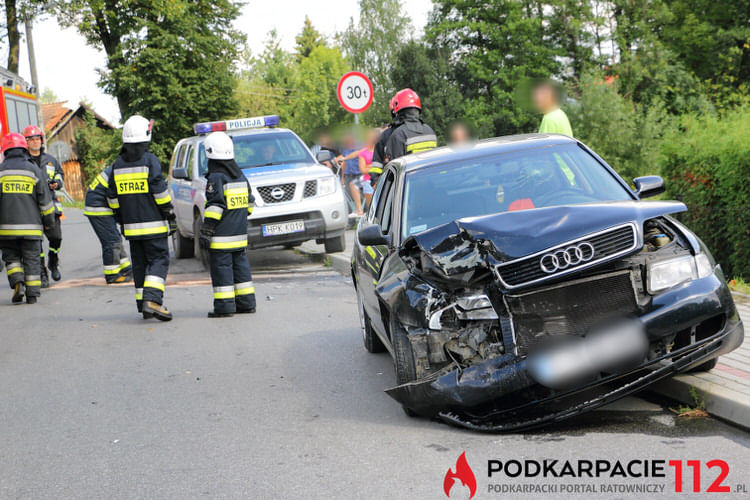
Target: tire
370	339
704	367
337	244
183	247
290	246
403	359
198	252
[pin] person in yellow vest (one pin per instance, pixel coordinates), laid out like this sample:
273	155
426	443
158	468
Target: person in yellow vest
546	99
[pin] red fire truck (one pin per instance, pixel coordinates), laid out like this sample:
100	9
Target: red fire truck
19	107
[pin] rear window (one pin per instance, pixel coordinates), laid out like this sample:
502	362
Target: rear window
523	180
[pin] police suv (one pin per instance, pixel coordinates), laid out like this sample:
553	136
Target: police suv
296	198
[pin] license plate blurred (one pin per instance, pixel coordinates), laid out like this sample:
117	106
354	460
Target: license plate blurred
295	226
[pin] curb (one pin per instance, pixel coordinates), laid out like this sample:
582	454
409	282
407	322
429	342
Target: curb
341	262
720	401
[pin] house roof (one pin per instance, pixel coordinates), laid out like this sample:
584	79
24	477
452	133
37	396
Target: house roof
52	113
56	116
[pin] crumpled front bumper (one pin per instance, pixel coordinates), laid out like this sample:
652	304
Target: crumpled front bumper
501	395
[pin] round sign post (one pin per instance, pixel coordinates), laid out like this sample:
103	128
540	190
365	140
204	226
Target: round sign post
355	93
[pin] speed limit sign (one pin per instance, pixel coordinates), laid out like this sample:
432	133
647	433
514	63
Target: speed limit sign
354	92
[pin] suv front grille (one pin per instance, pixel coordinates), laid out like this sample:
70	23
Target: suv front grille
571	308
311	189
277	193
607	245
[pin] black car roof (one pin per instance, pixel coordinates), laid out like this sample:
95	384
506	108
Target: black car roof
485	147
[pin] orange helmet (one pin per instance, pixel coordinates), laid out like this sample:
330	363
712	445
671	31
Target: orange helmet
406	98
33	131
13	140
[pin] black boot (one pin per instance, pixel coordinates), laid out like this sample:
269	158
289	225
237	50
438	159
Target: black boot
45	278
54	265
18	292
214	314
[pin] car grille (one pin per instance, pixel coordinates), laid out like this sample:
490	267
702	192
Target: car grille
606	244
571	308
277	193
311	189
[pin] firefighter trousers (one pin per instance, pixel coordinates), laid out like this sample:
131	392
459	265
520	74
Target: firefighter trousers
23	264
114	257
54	237
150	266
232	282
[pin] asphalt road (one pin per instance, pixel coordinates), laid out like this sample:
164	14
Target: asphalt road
97	403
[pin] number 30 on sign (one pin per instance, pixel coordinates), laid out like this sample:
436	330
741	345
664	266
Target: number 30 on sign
354	92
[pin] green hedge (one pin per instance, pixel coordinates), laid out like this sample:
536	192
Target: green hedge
707	166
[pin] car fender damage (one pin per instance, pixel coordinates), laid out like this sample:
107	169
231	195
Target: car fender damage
477	342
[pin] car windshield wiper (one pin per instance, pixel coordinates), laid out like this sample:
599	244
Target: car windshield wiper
270	163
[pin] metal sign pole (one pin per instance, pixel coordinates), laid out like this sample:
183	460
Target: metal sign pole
356	118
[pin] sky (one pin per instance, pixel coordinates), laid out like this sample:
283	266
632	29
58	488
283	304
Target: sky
68	66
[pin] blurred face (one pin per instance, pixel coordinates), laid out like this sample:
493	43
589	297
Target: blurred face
459	134
268	151
372	137
35	143
544	98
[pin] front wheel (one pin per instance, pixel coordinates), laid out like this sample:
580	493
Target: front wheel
183	247
403	358
337	244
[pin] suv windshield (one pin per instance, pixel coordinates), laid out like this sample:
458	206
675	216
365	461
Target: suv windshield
257	150
534	178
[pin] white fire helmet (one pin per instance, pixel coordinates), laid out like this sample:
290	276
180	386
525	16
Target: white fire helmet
137	129
219	146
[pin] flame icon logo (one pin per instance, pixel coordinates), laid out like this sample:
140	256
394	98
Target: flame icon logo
464	474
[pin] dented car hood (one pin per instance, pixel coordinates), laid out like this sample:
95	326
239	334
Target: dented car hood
459	246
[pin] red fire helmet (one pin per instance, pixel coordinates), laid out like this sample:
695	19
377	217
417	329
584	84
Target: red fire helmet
406	98
13	140
32	131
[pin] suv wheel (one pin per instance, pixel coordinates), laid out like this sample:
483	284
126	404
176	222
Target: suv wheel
371	340
337	244
183	247
403	358
200	254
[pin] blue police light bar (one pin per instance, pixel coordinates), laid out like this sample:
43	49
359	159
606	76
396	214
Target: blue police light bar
238	124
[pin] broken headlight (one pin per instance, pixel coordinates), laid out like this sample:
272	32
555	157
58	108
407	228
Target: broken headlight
472	307
665	274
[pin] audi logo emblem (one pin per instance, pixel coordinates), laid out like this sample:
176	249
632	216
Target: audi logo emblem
566	257
277	193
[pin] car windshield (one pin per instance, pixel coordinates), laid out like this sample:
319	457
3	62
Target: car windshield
533	178
257	150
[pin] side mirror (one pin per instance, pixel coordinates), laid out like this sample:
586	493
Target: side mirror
648	186
324	155
372	236
179	173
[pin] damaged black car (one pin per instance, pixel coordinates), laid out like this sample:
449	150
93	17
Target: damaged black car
520	281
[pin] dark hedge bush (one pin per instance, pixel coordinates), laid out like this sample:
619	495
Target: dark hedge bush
707	166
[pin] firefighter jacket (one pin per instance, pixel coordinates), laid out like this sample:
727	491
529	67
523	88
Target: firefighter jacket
49	165
138	195
95	203
411	136
228	204
25	203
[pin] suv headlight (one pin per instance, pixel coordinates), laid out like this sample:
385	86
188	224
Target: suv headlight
473	307
665	274
326	185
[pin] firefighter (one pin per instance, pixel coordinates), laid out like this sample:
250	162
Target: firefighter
138	196
379	159
56	181
117	268
26	209
224	229
411	135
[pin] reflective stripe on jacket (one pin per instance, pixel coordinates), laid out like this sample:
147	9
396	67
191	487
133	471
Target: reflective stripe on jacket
228	204
25	202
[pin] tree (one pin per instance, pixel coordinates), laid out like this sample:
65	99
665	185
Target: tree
170	61
95	146
308	40
371	45
495	46
316	105
48	96
14	37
